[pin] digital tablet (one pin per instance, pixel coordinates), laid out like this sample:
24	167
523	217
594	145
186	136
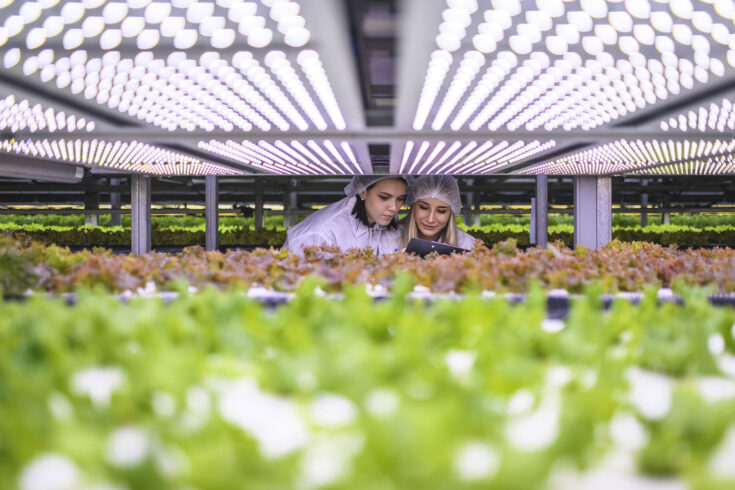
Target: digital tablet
425	247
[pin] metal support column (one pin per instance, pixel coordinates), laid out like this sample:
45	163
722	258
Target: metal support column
211	205
592	211
258	202
140	213
469	204
115	204
666	217
644	205
92	203
290	203
541	223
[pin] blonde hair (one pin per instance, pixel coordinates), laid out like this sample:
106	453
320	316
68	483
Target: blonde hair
410	229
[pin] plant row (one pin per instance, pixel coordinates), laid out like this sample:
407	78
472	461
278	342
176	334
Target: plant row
699	220
215	391
231	236
502	268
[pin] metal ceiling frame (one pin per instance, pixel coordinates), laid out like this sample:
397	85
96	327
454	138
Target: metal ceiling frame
328	22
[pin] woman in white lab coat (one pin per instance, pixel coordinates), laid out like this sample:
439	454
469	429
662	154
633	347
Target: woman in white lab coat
435	201
357	221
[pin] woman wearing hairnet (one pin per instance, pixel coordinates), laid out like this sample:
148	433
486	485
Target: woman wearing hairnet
434	201
357	221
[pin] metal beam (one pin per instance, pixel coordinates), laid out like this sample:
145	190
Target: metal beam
211	199
32	168
140	210
328	21
592	211
415	44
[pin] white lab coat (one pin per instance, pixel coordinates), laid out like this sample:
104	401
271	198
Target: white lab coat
392	240
335	225
465	240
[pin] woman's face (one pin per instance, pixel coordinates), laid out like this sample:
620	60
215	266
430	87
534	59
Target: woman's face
431	216
383	200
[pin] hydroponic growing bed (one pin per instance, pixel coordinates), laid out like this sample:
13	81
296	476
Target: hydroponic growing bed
186	376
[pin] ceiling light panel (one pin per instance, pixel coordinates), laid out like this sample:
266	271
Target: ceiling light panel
717	116
21	114
228	65
566	65
289	157
720	165
130	156
466	158
622	157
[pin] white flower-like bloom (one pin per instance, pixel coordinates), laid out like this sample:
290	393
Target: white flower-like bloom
716	344
627	432
330	410
49	472
273	421
552	325
382	402
557	377
616	471
536	430
327	459
522	401
98	383
460	362
721	462
714	389
726	362
128	447
164	404
650	393
476	460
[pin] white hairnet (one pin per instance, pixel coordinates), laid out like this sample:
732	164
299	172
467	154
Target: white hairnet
360	183
442	187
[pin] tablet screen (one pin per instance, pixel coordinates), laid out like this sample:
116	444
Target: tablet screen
425	247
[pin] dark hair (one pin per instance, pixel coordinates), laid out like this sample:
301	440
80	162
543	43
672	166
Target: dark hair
359	211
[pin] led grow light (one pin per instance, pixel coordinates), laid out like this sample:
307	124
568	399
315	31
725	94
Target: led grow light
293	157
125	156
624	156
719	165
166	86
18	115
569	65
715	117
469	158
